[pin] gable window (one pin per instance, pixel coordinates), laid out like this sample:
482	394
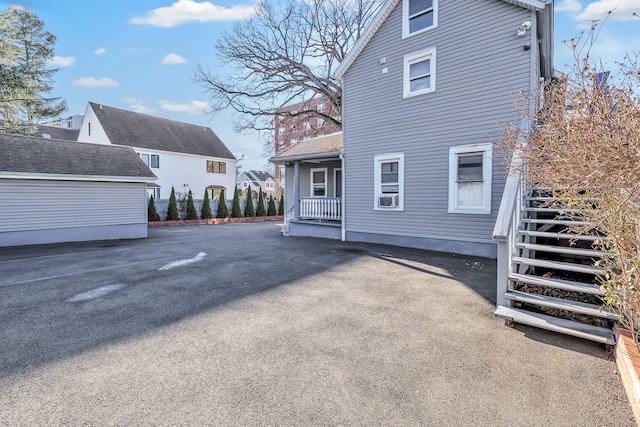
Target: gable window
470	170
420	72
155	161
319	182
418	16
389	182
216	167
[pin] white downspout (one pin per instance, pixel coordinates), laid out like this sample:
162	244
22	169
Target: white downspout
343	225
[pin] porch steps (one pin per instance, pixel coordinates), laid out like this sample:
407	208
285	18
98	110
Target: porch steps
568	236
561	304
556	324
567	285
558	265
560	249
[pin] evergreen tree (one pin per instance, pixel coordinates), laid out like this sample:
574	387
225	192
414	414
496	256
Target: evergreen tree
249	210
281	205
223	211
271	210
235	209
152	214
191	208
25	78
172	209
206	207
260	211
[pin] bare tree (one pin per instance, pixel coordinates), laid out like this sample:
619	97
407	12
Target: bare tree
286	53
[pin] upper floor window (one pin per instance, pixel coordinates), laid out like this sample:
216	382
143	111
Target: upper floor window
420	72
418	16
151	160
320	123
216	167
307	126
470	170
320	108
281	131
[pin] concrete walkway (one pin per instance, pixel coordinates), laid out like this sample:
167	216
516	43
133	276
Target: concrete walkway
235	325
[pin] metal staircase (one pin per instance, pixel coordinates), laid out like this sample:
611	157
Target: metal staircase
547	277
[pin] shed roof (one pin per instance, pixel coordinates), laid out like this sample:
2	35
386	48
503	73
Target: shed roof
314	148
144	131
27	155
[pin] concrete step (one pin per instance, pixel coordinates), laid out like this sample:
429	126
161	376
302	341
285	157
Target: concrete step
563	326
560	250
561	304
567	285
568	236
557	265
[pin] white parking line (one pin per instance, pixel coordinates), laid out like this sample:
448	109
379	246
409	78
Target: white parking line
95	293
182	262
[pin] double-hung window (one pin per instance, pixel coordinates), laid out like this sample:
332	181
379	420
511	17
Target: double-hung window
389	182
319	182
216	167
470	170
420	72
418	16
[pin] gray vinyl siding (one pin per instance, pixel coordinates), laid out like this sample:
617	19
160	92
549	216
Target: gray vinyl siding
480	66
31	205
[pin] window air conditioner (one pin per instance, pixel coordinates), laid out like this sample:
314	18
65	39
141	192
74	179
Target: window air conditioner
388	201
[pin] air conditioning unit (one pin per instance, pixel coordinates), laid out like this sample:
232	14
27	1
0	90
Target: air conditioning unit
388	201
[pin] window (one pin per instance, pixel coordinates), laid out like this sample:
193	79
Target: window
320	108
319	182
281	131
389	182
470	170
89	128
418	16
320	124
420	72
294	141
155	161
145	159
307	126
216	167
155	192
337	183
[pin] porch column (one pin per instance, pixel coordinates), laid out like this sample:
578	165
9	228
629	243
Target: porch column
296	190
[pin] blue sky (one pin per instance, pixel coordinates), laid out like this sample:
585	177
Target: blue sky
140	54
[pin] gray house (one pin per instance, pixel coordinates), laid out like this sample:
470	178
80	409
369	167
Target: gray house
61	191
425	90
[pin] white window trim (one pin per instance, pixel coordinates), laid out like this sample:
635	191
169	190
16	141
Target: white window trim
312	170
412	58
335	181
383	158
405	19
487	173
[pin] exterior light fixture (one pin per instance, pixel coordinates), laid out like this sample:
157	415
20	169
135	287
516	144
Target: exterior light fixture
526	26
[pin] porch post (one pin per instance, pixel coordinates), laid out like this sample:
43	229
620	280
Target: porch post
296	190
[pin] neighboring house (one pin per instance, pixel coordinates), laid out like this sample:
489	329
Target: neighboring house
71	122
425	90
62	191
50	132
255	180
181	155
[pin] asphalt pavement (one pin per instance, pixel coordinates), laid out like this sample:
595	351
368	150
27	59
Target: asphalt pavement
236	325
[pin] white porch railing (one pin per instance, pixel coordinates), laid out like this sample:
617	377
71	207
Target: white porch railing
329	208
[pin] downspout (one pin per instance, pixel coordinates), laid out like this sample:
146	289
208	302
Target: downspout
296	190
343	226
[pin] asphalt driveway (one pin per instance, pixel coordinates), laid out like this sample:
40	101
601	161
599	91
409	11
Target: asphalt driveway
236	325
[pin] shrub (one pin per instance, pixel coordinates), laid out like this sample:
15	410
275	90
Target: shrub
223	211
172	209
271	209
152	214
249	210
281	205
191	209
235	209
206	207
260	211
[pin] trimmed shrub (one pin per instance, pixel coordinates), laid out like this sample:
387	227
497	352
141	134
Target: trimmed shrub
223	211
249	210
152	214
281	205
271	209
260	210
172	209
236	212
191	208
206	207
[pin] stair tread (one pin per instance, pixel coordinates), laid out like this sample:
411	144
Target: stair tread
562	304
560	249
567	285
568	327
554	221
560	235
559	265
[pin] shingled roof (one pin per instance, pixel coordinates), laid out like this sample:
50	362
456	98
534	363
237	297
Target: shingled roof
34	156
58	133
314	148
143	131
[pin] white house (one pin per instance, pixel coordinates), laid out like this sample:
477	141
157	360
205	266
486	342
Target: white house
181	155
255	180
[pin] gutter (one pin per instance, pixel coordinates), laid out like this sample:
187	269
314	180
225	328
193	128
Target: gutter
303	157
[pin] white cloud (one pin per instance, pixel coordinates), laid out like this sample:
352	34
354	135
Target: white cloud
194	107
137	105
63	61
569	6
173	58
92	82
622	10
100	51
185	11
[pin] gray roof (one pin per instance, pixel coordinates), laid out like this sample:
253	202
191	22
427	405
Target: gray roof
33	155
58	133
143	131
260	175
314	148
